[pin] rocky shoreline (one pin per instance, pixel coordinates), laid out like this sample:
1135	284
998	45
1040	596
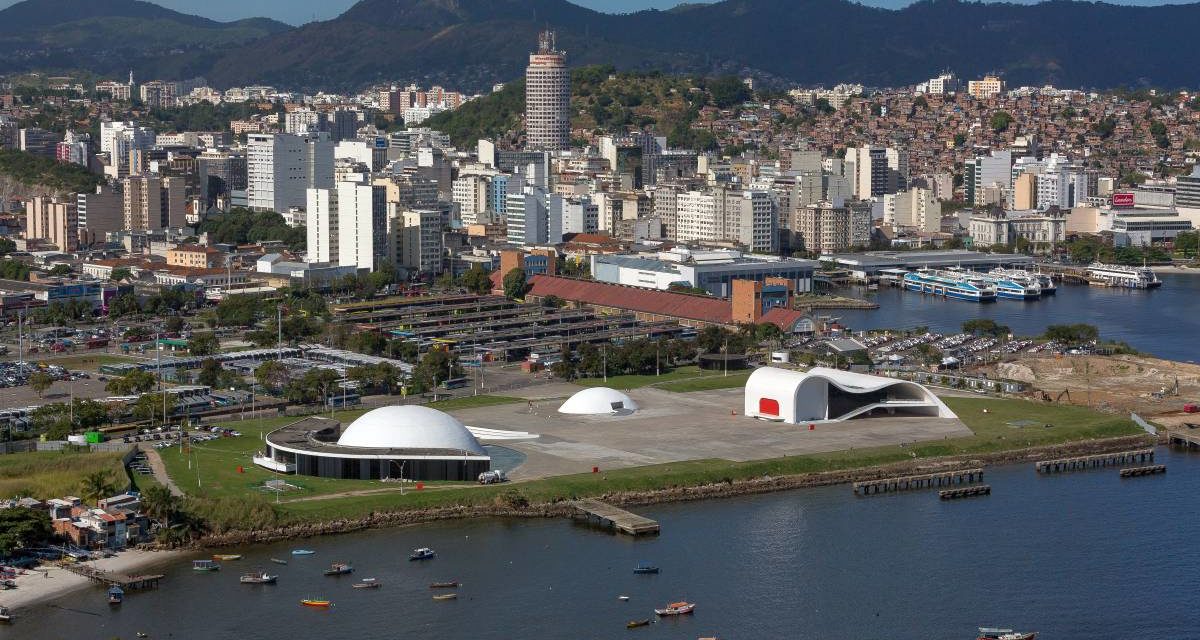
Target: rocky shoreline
730	489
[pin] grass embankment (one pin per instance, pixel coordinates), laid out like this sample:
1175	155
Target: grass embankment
992	433
679	380
210	469
53	474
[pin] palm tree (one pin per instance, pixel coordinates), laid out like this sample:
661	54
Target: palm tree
160	504
96	485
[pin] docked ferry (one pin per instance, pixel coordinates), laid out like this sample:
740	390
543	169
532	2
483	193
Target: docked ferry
1042	280
1116	275
949	284
1013	287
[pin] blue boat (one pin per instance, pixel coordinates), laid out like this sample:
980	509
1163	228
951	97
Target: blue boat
950	284
115	595
1013	287
302	552
645	568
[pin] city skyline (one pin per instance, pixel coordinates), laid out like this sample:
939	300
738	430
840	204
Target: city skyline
299	12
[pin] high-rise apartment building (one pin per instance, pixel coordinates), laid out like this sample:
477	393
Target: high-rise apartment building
823	228
417	240
988	87
281	167
547	97
53	220
152	203
118	140
914	209
472	195
870	170
731	215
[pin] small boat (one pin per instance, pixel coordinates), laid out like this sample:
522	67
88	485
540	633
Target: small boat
443	585
424	553
143	634
258	577
278	561
339	569
993	633
623	598
324	604
115	595
205	565
302	552
633	624
677	609
5	616
446	596
368	583
645	568
227	556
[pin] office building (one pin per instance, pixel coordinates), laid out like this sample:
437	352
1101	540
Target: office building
321	225
39	142
982	172
472	194
987	87
118	140
152	203
362	225
220	175
547	97
417	240
527	217
99	213
281	167
914	209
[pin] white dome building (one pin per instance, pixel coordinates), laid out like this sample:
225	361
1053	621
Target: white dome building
597	401
409	427
410	442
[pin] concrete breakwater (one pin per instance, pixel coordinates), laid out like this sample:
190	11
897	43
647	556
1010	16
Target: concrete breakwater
726	489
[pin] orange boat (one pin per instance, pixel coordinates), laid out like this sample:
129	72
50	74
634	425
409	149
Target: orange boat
324	604
677	609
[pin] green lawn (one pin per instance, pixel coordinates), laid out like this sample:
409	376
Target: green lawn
53	474
992	434
88	361
680	379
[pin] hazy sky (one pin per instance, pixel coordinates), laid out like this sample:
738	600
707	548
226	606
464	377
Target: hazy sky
301	11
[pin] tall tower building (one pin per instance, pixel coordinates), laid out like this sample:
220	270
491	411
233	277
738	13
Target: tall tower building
547	97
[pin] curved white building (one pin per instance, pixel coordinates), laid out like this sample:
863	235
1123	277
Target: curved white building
597	401
409	441
822	394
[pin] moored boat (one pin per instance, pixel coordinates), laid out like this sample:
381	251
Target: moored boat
950	284
1117	275
450	584
633	624
645	568
368	583
339	568
994	633
278	561
227	556
5	615
115	595
302	552
323	604
676	609
424	553
446	596
258	577
205	565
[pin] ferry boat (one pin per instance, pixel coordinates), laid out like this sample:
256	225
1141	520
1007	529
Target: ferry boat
1013	287
424	553
1043	281
1116	275
258	577
205	565
339	569
992	633
950	284
115	595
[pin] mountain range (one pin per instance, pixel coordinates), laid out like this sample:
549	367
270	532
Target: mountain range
471	44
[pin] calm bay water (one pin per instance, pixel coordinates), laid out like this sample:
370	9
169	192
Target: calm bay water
1164	322
1083	555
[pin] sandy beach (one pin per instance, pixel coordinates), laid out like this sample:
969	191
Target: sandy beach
1191	271
49	582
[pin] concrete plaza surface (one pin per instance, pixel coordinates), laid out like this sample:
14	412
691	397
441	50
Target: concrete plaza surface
672	427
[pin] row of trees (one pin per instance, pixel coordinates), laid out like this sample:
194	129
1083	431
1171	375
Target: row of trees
240	226
641	356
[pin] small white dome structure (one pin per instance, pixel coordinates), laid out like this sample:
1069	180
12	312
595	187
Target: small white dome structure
598	401
409	427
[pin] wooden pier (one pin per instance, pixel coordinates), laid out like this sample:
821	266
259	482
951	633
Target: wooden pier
1134	472
966	492
126	582
606	515
1186	439
910	483
1062	465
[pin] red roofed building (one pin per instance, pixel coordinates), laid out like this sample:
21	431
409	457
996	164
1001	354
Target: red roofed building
646	304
